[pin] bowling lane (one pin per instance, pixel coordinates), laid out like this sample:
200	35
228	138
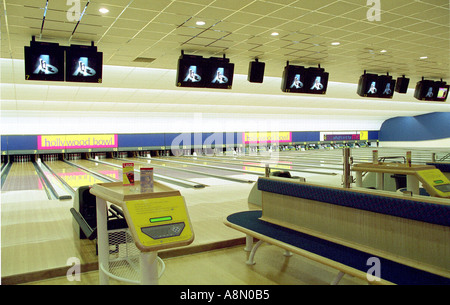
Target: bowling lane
116	172
220	172
103	169
165	169
276	161
257	165
157	170
73	176
22	176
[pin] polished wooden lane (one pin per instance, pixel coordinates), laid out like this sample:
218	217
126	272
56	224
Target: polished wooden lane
22	176
75	176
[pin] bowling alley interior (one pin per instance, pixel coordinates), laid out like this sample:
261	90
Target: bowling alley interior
213	142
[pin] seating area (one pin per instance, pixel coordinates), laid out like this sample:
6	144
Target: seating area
343	228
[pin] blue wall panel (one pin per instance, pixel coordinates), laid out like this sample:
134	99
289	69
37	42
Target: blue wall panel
4	143
431	126
200	139
22	143
372	135
306	136
139	140
178	139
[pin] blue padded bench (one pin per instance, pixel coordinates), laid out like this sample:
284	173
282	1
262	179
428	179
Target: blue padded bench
348	256
249	222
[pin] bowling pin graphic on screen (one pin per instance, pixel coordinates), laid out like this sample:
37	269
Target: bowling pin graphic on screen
83	68
296	83
44	66
317	85
372	89
220	77
191	75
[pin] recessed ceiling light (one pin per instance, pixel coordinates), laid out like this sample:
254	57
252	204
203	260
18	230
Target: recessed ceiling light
335	43
383	51
103	10
423	57
275	34
200	23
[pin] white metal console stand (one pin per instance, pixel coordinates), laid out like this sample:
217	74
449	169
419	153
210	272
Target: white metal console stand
131	254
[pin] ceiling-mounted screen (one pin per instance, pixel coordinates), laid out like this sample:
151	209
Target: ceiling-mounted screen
84	64
298	79
442	93
196	71
44	61
368	85
386	86
294	79
190	72
316	81
426	90
220	73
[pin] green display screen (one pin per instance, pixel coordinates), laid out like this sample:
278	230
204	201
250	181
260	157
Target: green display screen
159	219
438	181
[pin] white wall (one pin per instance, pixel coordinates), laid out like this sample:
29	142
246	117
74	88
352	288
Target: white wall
435	144
145	100
36	122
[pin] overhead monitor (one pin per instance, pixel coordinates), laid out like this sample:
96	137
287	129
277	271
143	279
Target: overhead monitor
84	64
442	92
294	79
220	73
386	86
426	90
316	81
368	85
44	61
191	71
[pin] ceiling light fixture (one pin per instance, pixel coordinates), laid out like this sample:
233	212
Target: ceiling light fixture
103	10
383	51
200	23
423	57
275	34
335	43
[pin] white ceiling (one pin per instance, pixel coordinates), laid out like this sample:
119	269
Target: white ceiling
240	29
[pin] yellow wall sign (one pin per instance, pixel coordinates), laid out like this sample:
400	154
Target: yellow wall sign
364	135
77	141
159	221
267	137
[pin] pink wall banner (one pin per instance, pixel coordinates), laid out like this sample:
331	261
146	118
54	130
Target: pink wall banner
47	142
267	137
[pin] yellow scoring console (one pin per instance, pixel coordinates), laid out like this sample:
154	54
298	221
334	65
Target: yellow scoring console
435	182
159	223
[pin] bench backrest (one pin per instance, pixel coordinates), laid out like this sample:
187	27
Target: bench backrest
405	208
